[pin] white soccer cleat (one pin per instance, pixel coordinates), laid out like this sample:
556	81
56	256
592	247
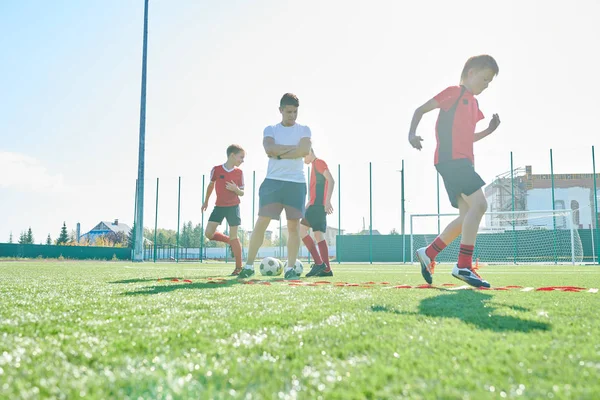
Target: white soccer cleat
470	276
427	265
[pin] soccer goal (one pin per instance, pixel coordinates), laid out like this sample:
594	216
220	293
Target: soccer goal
508	237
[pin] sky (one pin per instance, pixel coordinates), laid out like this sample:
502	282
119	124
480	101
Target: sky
70	79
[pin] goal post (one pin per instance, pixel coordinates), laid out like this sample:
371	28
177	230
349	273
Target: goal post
507	237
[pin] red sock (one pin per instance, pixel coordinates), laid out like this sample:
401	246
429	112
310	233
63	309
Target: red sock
465	256
434	248
310	245
324	254
219	237
237	252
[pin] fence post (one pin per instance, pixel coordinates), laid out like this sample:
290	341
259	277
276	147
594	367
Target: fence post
402	214
370	215
178	216
595	205
512	195
553	206
202	227
438	202
156	221
299	252
338	247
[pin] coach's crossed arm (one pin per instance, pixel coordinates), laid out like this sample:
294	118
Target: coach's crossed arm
299	151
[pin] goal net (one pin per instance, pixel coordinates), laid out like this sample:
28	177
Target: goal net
508	237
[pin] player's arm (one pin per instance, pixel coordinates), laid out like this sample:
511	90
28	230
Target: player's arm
299	151
274	150
490	129
209	191
415	140
330	185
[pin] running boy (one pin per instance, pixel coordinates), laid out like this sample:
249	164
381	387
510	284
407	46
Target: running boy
454	160
228	180
319	205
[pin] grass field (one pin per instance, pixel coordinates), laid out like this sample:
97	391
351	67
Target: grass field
113	330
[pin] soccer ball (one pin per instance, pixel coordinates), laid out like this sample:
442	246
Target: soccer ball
270	266
298	267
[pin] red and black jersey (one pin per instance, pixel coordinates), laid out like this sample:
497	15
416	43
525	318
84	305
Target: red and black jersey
455	127
318	183
220	176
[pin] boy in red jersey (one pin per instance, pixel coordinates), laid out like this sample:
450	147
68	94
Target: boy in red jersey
454	160
228	181
319	205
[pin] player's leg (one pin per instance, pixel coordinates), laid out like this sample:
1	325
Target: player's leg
293	197
318	220
426	255
464	268
450	232
215	219
324	250
308	241
236	248
269	208
293	243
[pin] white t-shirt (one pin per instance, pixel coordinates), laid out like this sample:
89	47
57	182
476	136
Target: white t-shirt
290	170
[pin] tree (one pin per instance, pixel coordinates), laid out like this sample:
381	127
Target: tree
394	232
131	237
30	239
63	238
48	240
23	238
10	239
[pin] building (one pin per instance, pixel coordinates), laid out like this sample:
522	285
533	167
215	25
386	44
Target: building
330	234
533	192
106	227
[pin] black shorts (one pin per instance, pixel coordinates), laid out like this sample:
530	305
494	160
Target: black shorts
315	218
459	178
274	196
232	214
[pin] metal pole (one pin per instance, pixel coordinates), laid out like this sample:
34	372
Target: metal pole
370	214
512	193
309	199
595	204
280	241
202	227
438	201
402	214
134	219
338	251
178	215
138	252
253	195
156	221
553	209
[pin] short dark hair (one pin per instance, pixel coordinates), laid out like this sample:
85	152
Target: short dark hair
234	149
480	62
289	99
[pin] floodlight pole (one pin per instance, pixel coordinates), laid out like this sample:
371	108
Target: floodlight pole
138	253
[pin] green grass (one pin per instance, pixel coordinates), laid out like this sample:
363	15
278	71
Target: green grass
112	330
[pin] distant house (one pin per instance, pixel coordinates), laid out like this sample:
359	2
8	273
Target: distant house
367	232
106	227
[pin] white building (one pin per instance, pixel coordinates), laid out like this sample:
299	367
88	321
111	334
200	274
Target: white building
534	192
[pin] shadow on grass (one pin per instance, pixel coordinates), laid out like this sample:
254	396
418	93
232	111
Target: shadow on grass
215	284
166	278
474	308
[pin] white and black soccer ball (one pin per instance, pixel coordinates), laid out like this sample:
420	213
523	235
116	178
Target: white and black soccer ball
270	266
298	267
